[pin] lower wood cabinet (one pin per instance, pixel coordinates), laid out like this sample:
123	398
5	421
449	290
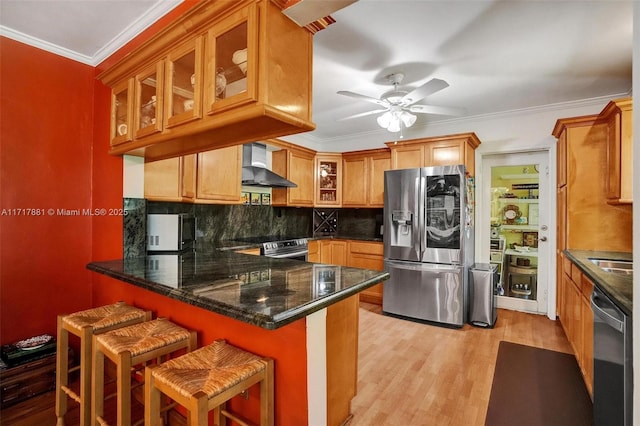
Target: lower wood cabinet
367	255
353	253
333	252
576	317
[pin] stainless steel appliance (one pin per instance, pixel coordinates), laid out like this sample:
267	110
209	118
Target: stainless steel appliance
612	363
170	232
428	244
295	249
280	247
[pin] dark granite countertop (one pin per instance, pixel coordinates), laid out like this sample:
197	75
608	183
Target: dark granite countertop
618	287
259	290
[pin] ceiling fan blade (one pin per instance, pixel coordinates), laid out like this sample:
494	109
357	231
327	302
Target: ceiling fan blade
364	114
432	86
363	97
439	110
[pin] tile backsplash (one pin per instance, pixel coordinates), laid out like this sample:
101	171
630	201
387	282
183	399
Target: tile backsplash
216	222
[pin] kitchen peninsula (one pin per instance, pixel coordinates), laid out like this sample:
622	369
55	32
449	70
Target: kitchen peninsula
303	315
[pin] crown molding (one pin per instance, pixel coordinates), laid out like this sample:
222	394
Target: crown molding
45	45
157	11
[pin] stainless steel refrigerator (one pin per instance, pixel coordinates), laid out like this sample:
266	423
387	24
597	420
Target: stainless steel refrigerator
428	243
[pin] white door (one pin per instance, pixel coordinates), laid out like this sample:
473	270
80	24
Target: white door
517	193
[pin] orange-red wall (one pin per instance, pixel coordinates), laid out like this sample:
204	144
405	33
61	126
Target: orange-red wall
46	132
54	127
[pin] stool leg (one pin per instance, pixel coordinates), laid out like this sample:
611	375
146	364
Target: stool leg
266	396
151	399
124	388
62	372
199	412
97	402
86	355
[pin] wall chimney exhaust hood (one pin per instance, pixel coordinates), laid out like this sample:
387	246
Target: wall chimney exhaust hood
254	168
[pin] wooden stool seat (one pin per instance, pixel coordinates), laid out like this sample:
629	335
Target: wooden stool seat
130	346
206	379
85	324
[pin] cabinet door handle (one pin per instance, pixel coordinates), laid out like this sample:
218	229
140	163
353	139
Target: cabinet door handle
543	238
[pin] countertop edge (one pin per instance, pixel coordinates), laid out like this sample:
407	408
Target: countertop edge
610	284
260	320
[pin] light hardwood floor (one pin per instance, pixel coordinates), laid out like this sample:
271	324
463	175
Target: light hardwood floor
411	373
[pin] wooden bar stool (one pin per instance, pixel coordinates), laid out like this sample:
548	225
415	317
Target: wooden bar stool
206	379
85	324
128	347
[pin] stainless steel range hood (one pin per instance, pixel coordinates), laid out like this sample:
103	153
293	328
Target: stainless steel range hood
254	168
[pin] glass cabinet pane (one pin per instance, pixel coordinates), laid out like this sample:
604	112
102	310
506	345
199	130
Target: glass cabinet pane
231	62
328	181
121	112
184	80
148	101
148	108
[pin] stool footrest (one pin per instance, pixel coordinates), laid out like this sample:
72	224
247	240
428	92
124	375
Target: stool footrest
236	418
70	393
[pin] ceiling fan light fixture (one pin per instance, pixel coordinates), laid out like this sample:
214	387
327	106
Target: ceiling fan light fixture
384	120
394	125
407	118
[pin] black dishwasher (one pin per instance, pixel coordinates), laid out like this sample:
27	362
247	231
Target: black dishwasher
612	363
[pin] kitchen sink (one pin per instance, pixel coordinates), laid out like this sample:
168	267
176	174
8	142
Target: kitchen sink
624	267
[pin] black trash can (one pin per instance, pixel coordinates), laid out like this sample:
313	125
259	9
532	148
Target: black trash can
483	286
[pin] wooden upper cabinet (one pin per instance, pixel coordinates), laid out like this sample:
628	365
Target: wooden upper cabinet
619	119
297	165
407	156
122	112
172	179
562	160
328	180
148	100
208	177
224	73
363	177
232	60
219	175
184	78
436	151
590	222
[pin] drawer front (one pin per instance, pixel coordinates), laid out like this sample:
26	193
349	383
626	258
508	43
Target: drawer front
366	248
15	391
587	286
566	266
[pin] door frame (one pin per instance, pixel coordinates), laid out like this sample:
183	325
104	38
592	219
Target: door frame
483	219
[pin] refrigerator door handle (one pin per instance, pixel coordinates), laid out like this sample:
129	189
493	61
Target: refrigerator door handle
422	215
419	266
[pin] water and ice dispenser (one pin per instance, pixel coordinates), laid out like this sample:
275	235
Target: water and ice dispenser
402	228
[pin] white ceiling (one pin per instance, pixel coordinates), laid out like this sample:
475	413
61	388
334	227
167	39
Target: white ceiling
497	55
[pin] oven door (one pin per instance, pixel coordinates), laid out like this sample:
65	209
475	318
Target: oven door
299	254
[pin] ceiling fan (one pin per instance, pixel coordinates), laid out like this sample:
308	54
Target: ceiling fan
398	104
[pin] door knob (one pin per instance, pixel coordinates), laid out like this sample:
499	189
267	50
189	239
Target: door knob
543	238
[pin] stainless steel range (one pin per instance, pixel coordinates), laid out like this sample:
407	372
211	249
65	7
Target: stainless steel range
296	249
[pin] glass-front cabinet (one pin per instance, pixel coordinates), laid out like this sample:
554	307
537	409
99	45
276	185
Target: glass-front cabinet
231	64
328	180
122	112
183	102
148	106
